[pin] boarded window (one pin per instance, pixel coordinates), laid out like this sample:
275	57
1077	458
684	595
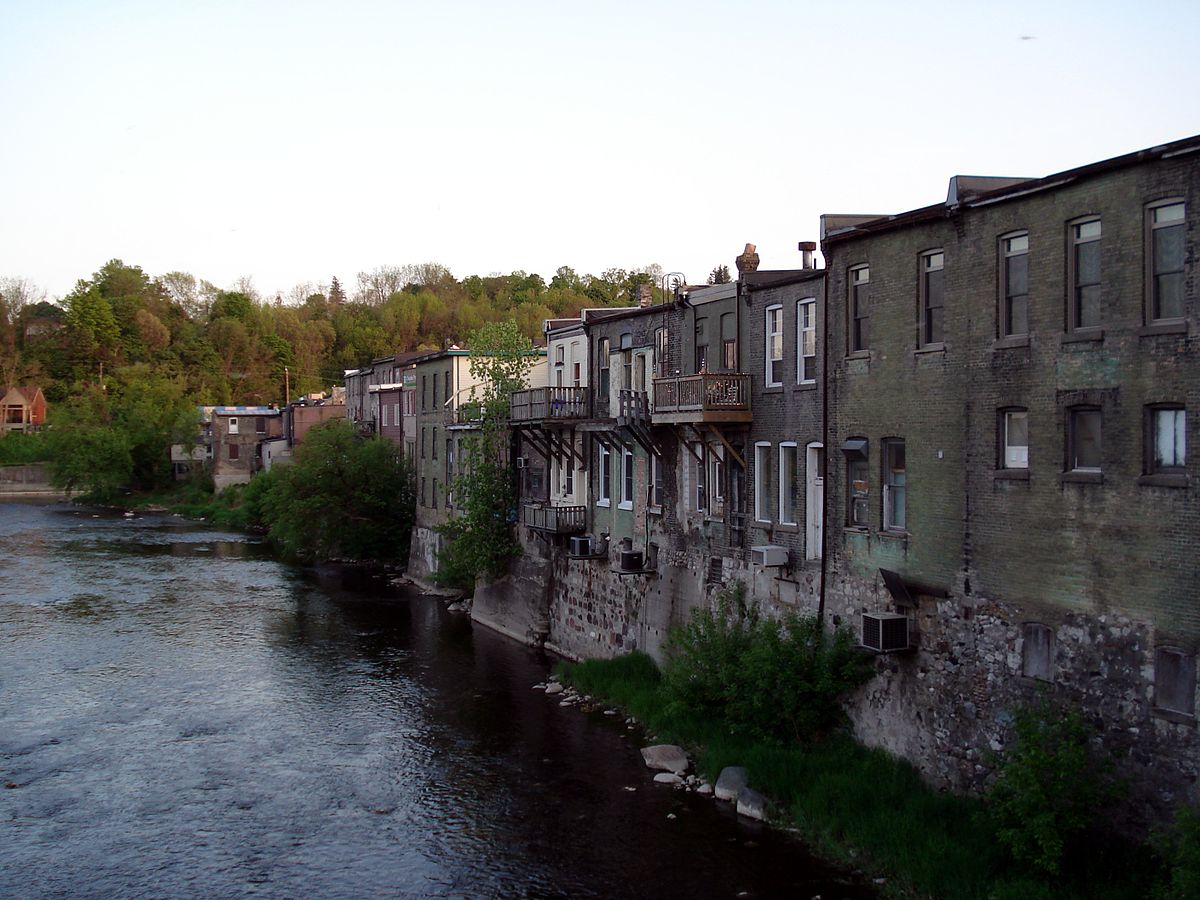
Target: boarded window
1175	681
1037	652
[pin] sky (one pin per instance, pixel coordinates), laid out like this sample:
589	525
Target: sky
290	142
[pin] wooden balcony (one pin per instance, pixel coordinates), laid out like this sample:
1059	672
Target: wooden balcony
633	407
466	413
555	519
550	404
705	397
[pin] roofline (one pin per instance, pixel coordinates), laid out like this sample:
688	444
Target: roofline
1021	189
780	277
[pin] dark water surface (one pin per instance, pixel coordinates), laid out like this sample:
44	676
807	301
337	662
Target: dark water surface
182	715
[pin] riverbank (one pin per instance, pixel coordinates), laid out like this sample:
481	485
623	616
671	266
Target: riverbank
863	809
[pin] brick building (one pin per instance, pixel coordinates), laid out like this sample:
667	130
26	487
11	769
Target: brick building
1012	386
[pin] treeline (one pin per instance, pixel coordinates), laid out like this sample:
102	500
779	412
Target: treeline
233	346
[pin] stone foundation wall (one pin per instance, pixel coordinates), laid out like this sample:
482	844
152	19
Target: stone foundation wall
422	557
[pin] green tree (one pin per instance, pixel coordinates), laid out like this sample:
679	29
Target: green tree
88	452
480	540
719	275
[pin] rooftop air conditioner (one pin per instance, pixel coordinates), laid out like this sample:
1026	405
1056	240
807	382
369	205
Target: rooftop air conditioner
884	632
769	555
581	545
631	560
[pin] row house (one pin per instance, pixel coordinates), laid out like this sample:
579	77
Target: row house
1013	387
238	434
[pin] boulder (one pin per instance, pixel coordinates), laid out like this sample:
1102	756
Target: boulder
665	758
731	782
704	789
667	778
752	804
554	688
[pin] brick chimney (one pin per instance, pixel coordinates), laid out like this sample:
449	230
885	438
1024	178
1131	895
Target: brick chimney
807	249
748	261
645	295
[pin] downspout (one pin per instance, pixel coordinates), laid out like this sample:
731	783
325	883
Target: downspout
825	490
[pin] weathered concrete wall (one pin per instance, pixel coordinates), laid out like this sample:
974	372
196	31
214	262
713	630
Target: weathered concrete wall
518	604
422	557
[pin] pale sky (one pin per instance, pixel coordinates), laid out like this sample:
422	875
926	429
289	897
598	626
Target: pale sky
293	141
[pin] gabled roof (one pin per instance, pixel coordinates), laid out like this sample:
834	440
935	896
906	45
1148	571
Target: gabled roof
27	392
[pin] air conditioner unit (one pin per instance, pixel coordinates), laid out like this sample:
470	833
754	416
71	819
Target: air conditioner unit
522	462
769	555
581	545
884	632
631	560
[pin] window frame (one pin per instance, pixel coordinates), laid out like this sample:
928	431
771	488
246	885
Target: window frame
1004	444
773	343
858	314
1152	275
604	368
788	475
893	485
925	337
232	425
762	488
628	479
1006	252
603	475
1075	241
656	482
1187	667
858	502
235	452
803	373
1151	465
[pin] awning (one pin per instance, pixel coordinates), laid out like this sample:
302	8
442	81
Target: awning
855	447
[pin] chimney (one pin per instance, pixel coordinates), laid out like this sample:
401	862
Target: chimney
645	295
748	261
807	248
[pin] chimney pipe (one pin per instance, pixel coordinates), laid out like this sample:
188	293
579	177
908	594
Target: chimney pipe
807	248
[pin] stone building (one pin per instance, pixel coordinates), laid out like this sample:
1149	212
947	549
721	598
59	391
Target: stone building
238	434
1013	383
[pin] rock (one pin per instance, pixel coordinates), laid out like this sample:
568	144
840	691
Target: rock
733	779
672	816
704	789
554	688
610	712
567	703
667	778
541	686
751	804
666	758
630	789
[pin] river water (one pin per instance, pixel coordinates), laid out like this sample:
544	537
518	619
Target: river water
183	716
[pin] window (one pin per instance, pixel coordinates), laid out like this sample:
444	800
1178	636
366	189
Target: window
433	500
729	360
568	477
701	471
932	265
626	478
860	309
1165	232
716	484
774	348
446	386
382	415
576	374
422	443
560	355
656	480
423	503
260	424
660	353
1083	439
1037	651
701	344
1175	681
806	341
433	446
435	400
627	361
1014	439
894	486
603	361
1166	443
424	393
604	470
234	452
762	481
1083	275
233	425
857	485
1014	285
788	471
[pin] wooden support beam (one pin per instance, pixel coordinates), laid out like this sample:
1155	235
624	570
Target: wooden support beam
728	446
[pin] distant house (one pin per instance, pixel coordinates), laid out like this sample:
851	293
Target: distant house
238	435
24	409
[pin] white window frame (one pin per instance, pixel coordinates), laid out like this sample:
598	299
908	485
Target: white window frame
891	487
792	477
656	473
628	479
773	365
762	466
233	424
604	477
714	482
1010	458
806	307
383	415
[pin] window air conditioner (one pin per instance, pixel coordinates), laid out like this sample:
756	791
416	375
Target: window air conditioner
769	555
522	462
581	545
884	632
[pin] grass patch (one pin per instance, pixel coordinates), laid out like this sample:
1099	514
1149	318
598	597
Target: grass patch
863	808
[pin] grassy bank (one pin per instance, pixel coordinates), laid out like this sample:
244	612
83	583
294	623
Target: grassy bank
861	807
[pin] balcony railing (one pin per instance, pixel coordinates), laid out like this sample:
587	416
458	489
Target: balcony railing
550	403
634	406
711	396
558	519
466	412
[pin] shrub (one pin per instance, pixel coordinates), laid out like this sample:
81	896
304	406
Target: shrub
1049	786
1178	847
777	680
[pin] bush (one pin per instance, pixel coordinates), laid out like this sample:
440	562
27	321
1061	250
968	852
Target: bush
1178	847
777	680
19	449
1049	786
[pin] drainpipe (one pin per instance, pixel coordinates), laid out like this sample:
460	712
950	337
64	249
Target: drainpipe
825	489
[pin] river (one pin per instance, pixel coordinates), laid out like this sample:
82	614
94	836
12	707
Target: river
181	715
